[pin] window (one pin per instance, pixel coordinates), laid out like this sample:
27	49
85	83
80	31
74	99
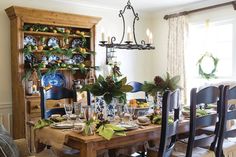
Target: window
216	39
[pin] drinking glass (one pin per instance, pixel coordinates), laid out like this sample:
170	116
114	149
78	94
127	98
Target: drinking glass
68	109
78	111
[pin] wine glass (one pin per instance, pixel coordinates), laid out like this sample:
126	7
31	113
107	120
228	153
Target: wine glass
68	109
78	111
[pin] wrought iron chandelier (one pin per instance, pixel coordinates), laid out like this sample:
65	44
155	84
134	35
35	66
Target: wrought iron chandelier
128	44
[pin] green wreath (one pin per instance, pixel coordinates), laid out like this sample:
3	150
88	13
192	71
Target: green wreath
201	71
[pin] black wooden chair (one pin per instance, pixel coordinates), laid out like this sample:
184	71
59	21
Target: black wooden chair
54	93
228	142
198	143
168	130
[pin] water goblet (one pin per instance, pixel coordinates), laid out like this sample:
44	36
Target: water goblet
68	109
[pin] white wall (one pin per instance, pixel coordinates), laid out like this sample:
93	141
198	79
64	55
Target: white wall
135	65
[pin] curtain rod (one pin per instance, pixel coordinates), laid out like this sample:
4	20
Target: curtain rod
166	17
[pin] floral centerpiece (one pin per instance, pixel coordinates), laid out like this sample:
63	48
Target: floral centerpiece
161	85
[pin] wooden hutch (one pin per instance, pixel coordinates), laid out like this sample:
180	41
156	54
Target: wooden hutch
26	107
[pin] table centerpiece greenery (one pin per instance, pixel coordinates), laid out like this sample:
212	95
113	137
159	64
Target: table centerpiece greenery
108	88
161	85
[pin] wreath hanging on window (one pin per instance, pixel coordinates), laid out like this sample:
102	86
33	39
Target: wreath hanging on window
210	73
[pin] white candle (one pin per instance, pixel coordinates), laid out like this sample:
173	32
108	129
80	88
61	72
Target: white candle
129	34
148	32
108	39
148	35
151	38
103	35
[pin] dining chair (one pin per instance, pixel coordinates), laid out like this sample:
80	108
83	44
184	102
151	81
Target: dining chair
54	93
228	142
170	109
199	144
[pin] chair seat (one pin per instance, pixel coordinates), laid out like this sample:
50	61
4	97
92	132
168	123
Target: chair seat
181	148
229	148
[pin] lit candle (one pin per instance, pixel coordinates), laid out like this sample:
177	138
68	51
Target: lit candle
103	35
151	38
148	32
129	34
148	35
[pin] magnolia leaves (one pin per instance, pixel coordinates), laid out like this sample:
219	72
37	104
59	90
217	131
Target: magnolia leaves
108	88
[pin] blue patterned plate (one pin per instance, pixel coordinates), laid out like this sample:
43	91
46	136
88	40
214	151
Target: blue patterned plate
54	79
53	42
78	58
29	40
76	43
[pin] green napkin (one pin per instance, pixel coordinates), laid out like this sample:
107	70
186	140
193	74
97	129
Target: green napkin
108	130
42	123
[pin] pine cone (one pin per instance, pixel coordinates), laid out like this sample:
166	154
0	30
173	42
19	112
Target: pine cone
158	80
110	81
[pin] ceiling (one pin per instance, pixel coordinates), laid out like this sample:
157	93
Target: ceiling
144	5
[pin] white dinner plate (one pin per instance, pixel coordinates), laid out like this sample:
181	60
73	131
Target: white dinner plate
62	125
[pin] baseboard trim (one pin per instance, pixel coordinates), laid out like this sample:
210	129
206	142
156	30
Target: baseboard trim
5	106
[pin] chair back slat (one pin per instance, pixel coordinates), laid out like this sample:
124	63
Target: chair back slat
206	121
55	93
137	86
169	130
208	95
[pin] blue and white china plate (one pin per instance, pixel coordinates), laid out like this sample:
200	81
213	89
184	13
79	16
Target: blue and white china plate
29	40
53	42
78	58
76	43
53	58
54	79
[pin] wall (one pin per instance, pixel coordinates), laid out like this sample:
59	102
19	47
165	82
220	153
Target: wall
135	65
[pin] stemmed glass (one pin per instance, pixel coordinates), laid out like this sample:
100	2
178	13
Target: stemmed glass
68	109
78	111
132	113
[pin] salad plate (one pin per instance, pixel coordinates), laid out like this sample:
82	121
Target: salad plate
54	79
78	58
29	40
76	43
129	126
62	125
53	42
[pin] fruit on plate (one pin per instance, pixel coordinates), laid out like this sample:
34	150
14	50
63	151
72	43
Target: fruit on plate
135	103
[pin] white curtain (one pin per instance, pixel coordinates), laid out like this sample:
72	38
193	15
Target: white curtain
175	54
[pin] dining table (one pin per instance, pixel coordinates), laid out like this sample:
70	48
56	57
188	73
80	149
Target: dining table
89	146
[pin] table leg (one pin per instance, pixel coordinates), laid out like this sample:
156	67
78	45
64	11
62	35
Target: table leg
88	150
